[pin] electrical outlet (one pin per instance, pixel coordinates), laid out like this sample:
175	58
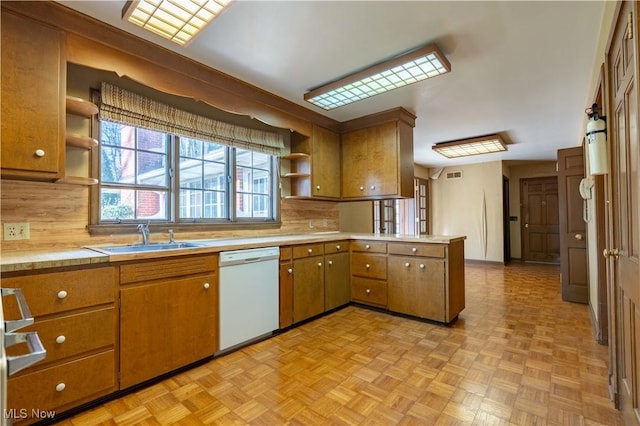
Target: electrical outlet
16	231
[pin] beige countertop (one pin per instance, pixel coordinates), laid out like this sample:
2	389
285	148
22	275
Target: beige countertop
29	260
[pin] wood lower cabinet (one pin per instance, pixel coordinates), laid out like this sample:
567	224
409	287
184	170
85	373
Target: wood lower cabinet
426	280
33	99
169	321
337	288
369	273
76	321
416	287
286	287
308	281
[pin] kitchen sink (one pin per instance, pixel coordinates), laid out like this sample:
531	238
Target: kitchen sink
137	248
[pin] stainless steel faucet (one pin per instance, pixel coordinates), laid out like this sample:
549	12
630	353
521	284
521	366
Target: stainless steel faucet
144	231
171	237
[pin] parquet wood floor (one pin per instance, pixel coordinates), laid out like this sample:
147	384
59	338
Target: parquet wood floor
517	355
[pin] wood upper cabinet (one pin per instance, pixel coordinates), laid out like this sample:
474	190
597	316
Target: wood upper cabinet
377	156
170	321
33	99
325	163
314	164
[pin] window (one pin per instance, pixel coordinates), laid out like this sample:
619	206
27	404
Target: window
169	166
139	178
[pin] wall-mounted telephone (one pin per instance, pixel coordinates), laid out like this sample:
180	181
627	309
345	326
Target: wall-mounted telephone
585	189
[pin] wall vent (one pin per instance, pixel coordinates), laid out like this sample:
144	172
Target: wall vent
454	175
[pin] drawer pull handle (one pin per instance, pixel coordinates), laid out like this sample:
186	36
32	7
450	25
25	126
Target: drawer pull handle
373	187
407	264
39	152
362	188
310	251
367	246
62	294
414	250
60	339
318	187
319	264
60	387
422	266
330	262
367	266
368	291
207	285
26	318
338	247
290	271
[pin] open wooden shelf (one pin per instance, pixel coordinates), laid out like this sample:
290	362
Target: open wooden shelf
79	141
296	175
79	106
78	180
295	156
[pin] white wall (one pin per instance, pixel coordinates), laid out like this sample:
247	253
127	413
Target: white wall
471	206
592	251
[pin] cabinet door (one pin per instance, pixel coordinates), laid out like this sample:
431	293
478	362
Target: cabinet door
166	325
417	287
308	288
337	280
382	160
354	163
325	168
33	101
286	294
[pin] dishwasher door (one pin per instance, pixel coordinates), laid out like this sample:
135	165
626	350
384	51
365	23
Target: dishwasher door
249	295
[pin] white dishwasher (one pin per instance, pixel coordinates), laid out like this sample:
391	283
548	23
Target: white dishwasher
249	295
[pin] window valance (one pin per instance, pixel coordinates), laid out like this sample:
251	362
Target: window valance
125	107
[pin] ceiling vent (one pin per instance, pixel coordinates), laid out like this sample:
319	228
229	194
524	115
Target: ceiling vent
454	175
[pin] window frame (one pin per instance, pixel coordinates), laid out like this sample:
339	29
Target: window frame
233	222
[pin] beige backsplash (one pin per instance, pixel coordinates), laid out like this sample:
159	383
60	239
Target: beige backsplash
58	217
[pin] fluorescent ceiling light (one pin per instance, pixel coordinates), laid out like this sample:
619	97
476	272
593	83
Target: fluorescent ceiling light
175	20
417	65
466	147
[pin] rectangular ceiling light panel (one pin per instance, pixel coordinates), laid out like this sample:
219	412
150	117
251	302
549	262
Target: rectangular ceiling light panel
466	147
418	65
175	20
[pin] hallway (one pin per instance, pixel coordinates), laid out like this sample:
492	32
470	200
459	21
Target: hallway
517	355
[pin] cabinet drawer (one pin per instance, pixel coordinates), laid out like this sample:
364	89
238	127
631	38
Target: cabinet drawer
306	250
372	292
73	334
157	269
286	253
428	250
64	385
62	291
336	247
369	246
369	265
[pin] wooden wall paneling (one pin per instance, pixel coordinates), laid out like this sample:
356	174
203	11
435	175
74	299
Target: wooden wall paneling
58	217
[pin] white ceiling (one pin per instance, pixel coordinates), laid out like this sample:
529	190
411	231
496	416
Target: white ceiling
519	68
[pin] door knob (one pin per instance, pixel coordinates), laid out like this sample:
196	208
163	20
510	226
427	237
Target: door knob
579	237
526	225
612	252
